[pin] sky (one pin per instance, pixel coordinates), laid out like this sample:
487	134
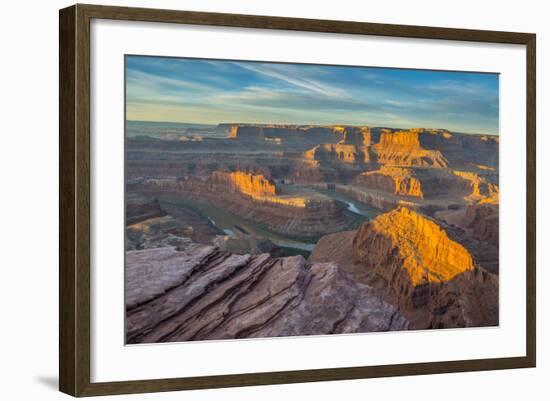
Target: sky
206	91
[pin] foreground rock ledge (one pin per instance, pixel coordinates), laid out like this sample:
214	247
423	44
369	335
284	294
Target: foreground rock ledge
197	292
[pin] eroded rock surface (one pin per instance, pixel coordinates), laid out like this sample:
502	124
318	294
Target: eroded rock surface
297	214
397	180
403	148
432	279
199	292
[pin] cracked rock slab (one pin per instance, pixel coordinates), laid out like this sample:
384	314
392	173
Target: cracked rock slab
197	292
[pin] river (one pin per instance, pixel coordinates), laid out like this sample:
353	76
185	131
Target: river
233	225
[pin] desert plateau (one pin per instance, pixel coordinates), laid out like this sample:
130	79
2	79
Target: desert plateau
271	199
269	230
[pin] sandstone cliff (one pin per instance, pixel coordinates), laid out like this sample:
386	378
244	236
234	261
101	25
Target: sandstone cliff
479	221
432	279
304	216
254	185
403	148
201	293
423	251
341	153
397	180
286	134
358	136
482	190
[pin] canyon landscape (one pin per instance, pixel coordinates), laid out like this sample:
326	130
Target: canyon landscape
269	229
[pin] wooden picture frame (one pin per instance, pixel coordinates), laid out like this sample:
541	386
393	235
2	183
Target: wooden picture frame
74	199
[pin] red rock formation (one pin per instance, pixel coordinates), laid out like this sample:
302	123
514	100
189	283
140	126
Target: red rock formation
359	136
423	250
482	190
338	153
428	276
396	180
308	215
402	148
200	293
479	221
255	185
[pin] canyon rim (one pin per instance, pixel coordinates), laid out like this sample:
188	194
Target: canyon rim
270	199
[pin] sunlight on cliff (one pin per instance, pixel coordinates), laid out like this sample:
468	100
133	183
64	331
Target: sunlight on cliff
483	191
428	254
400	181
249	184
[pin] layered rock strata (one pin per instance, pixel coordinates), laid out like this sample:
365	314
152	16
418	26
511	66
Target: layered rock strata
396	180
140	211
477	227
200	293
403	148
289	214
339	153
482	190
432	279
253	185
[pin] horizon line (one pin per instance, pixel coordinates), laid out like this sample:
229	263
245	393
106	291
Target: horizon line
314	124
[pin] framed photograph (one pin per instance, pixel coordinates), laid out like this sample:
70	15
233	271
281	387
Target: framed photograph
250	200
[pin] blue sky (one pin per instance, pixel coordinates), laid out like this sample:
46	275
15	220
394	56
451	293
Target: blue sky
214	91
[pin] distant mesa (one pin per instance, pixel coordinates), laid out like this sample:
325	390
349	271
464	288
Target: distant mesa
403	148
415	147
283	134
338	152
430	184
255	185
358	136
482	190
396	180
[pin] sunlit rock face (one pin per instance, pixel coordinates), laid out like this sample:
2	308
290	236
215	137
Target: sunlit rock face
397	180
197	292
422	249
338	153
256	198
431	278
482	191
255	185
402	148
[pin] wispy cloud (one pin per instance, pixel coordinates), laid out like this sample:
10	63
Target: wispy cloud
212	91
297	79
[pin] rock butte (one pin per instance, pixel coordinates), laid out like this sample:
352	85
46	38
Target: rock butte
424	250
338	153
255	185
483	191
403	148
399	180
431	279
